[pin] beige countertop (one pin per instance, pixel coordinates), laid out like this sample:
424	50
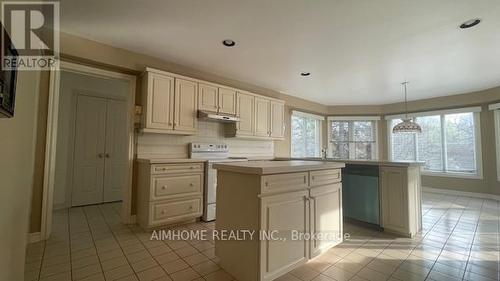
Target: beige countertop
361	162
276	167
168	160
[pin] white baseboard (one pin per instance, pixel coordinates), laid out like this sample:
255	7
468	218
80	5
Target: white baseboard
34	237
461	193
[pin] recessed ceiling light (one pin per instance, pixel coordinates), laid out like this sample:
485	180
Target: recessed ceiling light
470	23
305	73
228	43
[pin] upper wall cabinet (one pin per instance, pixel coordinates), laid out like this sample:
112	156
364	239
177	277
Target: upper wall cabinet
245	105
170	104
277	121
208	97
217	99
262	117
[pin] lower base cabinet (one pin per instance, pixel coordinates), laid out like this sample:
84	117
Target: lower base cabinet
169	193
400	198
286	211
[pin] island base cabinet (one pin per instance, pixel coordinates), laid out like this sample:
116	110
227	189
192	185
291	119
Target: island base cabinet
326	217
284	210
280	216
400	194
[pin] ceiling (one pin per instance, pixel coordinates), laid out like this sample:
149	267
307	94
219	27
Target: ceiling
358	51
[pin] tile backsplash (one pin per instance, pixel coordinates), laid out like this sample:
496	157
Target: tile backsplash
175	146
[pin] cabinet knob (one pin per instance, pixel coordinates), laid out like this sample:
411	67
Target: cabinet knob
266	183
190	207
107	155
312	177
100	155
191	167
170	123
162	212
191	184
164	187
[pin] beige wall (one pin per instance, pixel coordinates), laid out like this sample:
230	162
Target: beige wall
17	145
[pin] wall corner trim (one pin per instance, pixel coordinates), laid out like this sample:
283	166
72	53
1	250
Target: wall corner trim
461	193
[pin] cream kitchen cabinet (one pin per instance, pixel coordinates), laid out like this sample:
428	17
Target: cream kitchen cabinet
169	104
400	197
217	99
169	192
245	105
277	120
227	101
158	102
262	117
208	97
292	199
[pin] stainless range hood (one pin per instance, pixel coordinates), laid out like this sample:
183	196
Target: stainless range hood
217	117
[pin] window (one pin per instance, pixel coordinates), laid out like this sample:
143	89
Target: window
306	135
352	137
449	142
496	109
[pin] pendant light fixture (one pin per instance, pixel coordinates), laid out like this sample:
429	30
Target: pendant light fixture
407	126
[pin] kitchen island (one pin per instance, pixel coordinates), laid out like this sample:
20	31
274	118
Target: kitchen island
294	209
382	193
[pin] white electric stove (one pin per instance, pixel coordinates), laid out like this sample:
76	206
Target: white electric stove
212	153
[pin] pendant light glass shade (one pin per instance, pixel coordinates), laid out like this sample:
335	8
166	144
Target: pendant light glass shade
407	126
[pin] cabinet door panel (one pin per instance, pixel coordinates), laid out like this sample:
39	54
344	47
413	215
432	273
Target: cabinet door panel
185	105
227	101
277	119
262	115
160	102
326	217
393	182
245	105
208	98
283	213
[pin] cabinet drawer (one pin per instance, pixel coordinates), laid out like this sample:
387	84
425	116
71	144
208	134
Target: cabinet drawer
170	211
175	186
284	182
176	168
324	177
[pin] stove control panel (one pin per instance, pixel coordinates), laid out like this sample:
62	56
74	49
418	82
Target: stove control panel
208	147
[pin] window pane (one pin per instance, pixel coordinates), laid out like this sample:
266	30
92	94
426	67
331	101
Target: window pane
340	150
364	150
340	130
363	131
430	143
403	144
305	140
460	143
298	137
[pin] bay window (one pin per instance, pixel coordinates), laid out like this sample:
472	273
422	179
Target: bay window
352	137
449	143
306	134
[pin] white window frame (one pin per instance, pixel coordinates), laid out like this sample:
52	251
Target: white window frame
319	132
477	133
496	115
352	145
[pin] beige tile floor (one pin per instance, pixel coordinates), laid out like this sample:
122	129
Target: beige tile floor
460	241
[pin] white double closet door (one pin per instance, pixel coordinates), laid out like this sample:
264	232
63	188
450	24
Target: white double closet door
100	150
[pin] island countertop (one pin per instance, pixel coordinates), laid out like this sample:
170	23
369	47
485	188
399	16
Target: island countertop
360	162
276	167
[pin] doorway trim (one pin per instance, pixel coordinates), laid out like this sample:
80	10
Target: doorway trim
51	139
